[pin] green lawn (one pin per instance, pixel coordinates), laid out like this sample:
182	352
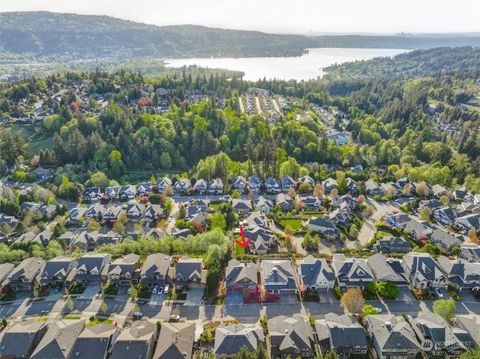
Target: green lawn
96	321
295	224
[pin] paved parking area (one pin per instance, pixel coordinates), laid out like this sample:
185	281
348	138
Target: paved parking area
234	298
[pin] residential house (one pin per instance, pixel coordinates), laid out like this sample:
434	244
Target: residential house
263	240
254	184
215	186
56	270
127	193
136	341
431	204
340	217
112	214
461	194
284	201
231	338
182	185
264	205
23	277
58	341
75	215
135	212
351	272
445	216
200	187
386	269
310	202
95	341
329	184
466	208
239	183
392	337
439	191
352	187
466	223
109	237
181	233
470	252
241	206
175	341
144	188
44	237
323	226
112	193
307	179
95	212
423	272
273	185
391	244
43	174
153	213
164	184
343	335
315	274
439	339
155	270
373	189
278	276
288	182
92	195
240	275
189	272
339	137
460	272
470	323
19	339
291	336
5	270
255	219
90	267
444	239
123	271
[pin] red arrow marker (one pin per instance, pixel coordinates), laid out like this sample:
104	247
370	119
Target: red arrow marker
244	242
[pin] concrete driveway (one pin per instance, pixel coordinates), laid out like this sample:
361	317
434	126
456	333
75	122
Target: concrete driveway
194	296
90	291
234	298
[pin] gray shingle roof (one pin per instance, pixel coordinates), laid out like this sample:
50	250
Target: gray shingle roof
94	341
175	341
59	340
18	340
229	339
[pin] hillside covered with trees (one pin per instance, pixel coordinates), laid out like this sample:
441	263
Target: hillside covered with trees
70	37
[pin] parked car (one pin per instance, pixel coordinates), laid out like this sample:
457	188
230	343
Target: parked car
138	315
165	290
155	290
174	318
439	293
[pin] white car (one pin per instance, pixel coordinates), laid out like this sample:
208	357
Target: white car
155	290
165	290
379	309
438	293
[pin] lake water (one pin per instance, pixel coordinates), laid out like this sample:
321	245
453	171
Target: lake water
305	67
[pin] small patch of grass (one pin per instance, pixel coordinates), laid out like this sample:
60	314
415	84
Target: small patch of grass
41	319
97	320
295	224
72	317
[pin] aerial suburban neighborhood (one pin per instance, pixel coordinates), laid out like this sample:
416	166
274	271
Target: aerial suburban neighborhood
149	211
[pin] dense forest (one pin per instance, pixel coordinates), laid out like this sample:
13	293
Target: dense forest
393	135
70	37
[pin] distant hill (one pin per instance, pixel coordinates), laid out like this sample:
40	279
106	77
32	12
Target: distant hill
69	36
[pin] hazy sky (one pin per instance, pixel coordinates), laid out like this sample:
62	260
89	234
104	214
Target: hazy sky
299	16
